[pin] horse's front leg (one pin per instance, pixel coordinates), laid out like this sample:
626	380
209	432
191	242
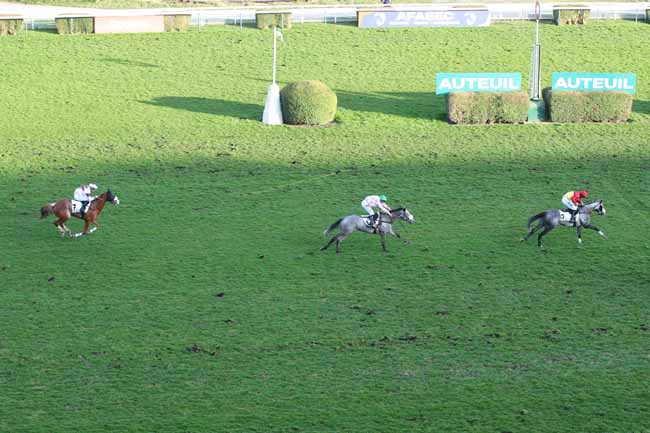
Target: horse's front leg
397	235
86	226
382	237
579	231
594	228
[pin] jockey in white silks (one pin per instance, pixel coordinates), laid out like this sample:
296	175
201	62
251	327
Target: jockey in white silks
372	202
84	194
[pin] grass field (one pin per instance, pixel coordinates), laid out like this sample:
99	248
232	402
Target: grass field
203	303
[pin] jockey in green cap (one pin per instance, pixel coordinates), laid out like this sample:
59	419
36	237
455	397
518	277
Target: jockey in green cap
372	202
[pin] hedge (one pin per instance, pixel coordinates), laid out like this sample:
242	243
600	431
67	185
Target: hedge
571	14
487	107
10	25
575	107
265	20
647	15
75	25
308	103
177	23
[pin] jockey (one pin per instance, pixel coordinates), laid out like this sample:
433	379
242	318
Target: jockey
375	201
573	201
84	194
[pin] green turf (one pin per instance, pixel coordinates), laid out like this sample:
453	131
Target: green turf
203	303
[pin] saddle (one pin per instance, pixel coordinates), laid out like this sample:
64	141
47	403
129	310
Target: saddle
78	207
567	216
370	220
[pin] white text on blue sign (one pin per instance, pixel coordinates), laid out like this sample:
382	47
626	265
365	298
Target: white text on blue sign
590	82
477	82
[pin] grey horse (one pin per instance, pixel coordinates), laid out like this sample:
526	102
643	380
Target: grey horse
356	223
550	219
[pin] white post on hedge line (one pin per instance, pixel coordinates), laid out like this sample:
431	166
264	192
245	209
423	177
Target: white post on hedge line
536	76
272	109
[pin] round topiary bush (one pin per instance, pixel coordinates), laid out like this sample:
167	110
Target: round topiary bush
307	103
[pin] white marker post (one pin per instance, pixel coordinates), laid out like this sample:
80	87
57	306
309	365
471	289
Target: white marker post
272	109
536	109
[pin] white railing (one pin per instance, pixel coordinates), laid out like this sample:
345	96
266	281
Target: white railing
348	13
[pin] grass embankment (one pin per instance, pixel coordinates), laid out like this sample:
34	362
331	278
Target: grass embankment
203	303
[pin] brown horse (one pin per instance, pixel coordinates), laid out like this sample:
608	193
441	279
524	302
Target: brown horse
62	209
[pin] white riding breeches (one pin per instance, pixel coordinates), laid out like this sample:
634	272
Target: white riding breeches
367	209
568	203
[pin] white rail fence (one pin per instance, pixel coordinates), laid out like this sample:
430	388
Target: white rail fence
346	14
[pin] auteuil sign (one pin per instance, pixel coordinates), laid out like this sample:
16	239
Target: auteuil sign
477	82
413	18
593	82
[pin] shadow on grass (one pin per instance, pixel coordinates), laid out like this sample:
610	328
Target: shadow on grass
642	107
126	62
424	105
50	31
221	107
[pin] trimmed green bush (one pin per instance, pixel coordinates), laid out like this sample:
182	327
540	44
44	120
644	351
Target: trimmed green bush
177	23
266	20
647	15
487	107
308	103
571	14
576	107
10	25
75	25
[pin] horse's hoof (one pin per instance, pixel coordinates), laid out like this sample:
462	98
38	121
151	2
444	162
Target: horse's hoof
523	240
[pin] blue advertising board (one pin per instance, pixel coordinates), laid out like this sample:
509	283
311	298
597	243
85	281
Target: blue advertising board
593	82
477	82
414	18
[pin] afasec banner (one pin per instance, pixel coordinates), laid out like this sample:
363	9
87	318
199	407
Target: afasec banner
479	82
410	18
590	82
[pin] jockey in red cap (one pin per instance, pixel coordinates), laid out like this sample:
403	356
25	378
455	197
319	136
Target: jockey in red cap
573	201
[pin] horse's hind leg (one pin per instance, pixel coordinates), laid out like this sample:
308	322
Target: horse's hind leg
324	247
339	238
542	234
532	231
60	225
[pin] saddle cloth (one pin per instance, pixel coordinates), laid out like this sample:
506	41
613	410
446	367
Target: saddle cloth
565	219
367	219
76	206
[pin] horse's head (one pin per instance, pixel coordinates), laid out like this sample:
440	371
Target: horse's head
600	209
112	197
406	216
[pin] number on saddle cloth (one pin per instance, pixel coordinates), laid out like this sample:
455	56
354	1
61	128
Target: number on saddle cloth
76	206
568	218
369	219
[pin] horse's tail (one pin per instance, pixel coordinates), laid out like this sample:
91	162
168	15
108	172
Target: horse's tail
535	217
46	210
332	227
